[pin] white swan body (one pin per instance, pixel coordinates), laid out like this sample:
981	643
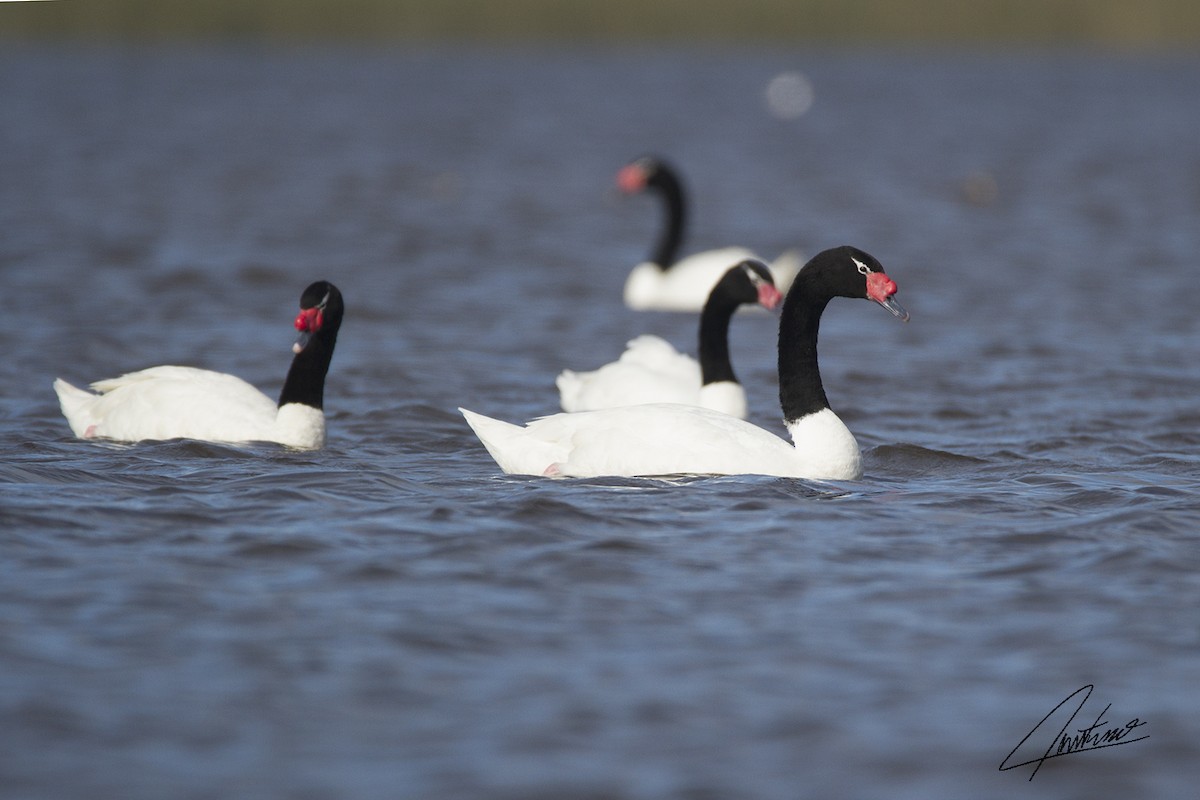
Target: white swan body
652	371
686	284
670	439
649	371
666	439
172	402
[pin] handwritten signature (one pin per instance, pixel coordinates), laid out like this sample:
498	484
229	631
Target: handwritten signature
1093	737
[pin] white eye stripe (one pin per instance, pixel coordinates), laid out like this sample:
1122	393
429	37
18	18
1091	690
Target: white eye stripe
862	268
755	278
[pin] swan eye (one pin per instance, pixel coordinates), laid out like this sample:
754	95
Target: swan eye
863	269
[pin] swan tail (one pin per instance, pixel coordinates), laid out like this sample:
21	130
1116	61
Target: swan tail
76	406
515	449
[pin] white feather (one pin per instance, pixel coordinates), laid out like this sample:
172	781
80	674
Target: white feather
172	402
668	439
685	286
649	371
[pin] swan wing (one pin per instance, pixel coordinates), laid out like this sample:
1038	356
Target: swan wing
685	286
654	439
170	402
649	371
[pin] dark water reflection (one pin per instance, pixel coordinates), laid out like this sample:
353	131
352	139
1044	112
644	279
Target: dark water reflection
390	617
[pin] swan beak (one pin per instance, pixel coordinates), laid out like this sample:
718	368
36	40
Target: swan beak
308	322
769	296
898	310
631	179
882	290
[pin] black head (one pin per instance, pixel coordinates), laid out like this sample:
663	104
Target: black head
320	315
840	272
746	282
846	272
646	172
749	281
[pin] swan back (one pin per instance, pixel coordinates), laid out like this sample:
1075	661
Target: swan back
685	286
169	403
649	371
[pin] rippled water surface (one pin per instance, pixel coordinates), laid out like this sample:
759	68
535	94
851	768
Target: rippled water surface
390	617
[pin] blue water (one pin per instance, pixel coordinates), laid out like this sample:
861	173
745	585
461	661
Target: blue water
391	617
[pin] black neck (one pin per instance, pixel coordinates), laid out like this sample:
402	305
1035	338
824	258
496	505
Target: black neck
714	339
800	390
306	379
671	191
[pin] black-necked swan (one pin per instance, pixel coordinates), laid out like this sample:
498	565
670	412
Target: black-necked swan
652	371
664	283
187	403
671	439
